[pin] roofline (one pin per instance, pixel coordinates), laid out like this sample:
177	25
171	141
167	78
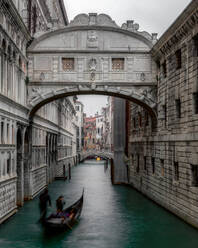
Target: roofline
173	28
67	29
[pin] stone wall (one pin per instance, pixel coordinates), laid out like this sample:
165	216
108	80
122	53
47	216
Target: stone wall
164	158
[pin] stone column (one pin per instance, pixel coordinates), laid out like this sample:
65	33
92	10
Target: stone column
120	169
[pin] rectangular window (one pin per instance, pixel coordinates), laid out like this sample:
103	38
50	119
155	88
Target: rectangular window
134	122
176	169
153	164
139	119
118	64
195	102
145	164
68	64
164	69
194	169
138	163
12	134
178	56
164	113
146	119
178	108
8	134
2	132
162	167
9	164
195	45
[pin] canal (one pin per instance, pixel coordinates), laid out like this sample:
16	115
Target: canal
112	217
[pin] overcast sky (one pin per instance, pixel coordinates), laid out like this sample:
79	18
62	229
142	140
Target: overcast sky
153	16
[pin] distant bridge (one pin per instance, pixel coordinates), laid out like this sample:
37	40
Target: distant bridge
92	153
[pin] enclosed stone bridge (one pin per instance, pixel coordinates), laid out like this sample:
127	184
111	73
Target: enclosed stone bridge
92	55
92	153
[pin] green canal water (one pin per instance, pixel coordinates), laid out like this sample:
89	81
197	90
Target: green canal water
112	217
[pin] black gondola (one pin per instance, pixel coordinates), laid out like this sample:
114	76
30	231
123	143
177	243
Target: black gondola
68	217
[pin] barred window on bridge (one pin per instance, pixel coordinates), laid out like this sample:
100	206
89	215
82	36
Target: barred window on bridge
68	64
118	64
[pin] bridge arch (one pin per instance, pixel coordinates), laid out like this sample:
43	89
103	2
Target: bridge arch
141	100
102	154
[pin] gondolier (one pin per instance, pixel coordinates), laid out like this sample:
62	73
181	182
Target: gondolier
60	203
44	199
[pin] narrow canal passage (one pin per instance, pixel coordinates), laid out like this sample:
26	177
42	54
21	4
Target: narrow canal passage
112	217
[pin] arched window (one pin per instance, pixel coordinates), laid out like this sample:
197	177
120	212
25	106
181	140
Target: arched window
34	19
9	73
140	119
29	10
20	63
3	66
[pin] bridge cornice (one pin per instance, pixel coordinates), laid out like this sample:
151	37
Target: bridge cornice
49	34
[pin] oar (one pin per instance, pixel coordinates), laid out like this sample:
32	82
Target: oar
68	226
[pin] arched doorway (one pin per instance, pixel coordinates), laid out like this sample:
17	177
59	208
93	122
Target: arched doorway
26	166
20	172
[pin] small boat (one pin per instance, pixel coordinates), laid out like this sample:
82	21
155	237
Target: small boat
68	217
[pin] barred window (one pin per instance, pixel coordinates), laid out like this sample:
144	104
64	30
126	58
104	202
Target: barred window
118	64
164	69
195	45
138	164
145	164
162	167
195	102
178	56
68	64
153	164
194	169
176	169
178	108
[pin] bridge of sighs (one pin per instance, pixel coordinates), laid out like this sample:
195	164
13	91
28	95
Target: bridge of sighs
92	55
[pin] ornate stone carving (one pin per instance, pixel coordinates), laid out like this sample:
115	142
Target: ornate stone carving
93	76
81	19
34	93
93	19
134	27
105	20
92	64
142	77
92	39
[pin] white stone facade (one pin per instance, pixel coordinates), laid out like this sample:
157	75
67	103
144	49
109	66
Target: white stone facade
31	154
